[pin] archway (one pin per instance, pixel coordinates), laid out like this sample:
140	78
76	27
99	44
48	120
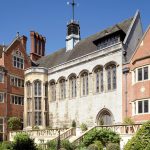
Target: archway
104	117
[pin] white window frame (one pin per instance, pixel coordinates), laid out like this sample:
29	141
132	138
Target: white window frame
17	100
16	81
18	55
135	74
135	107
2	97
2	73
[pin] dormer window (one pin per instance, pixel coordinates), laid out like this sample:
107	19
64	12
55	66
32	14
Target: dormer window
108	41
18	60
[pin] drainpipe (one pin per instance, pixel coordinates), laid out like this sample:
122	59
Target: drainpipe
6	109
125	72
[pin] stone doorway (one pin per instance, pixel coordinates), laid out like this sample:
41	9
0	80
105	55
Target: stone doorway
104	117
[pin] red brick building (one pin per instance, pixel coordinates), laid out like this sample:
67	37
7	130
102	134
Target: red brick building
13	61
136	82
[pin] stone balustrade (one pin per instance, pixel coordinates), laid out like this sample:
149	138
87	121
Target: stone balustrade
38	135
120	129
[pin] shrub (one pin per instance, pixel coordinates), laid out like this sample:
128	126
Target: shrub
140	141
83	127
104	135
52	145
23	142
14	123
99	145
63	144
5	145
113	146
67	145
128	121
92	147
73	124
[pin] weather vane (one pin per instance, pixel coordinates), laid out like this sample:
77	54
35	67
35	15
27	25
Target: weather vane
73	6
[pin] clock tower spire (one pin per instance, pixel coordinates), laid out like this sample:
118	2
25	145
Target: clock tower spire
73	30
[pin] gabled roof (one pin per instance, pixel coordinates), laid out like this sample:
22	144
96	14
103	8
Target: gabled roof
83	47
143	48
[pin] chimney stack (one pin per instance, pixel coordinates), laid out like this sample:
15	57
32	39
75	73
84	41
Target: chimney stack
37	46
24	41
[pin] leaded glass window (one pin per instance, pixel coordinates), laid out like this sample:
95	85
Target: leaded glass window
73	87
99	80
111	77
84	84
62	83
53	91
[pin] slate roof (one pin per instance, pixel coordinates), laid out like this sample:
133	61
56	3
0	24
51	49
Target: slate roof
83	47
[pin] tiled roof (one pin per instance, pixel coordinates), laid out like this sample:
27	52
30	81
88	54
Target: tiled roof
82	48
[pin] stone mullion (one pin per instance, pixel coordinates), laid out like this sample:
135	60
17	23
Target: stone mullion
90	84
33	110
78	87
43	105
25	107
105	80
57	91
67	89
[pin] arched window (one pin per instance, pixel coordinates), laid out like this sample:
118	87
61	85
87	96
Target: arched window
99	85
28	89
18	60
73	86
111	77
62	89
29	103
84	84
37	103
52	91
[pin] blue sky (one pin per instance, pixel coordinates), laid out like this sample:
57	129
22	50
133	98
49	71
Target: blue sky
50	17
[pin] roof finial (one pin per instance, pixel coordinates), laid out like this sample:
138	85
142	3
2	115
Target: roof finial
73	5
17	34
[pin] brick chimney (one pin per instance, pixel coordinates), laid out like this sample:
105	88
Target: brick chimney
37	46
24	41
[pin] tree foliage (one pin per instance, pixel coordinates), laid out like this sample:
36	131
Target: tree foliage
23	142
14	123
141	139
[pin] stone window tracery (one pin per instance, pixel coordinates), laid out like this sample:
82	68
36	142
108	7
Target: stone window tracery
84	84
62	87
99	86
37	103
73	86
53	91
111	77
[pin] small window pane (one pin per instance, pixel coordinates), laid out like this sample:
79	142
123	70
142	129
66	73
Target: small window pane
140	74
140	107
145	73
1	97
146	106
1	77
